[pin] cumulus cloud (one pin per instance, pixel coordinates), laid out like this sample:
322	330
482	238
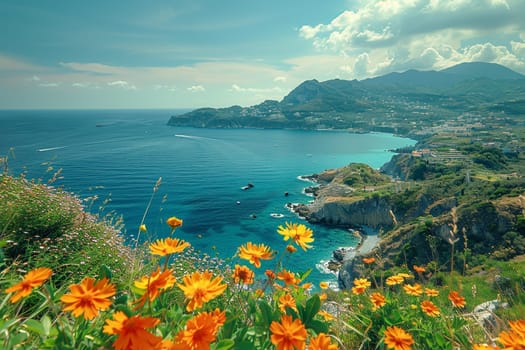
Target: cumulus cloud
380	36
122	84
196	88
237	88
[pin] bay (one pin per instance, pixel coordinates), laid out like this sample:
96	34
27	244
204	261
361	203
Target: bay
118	156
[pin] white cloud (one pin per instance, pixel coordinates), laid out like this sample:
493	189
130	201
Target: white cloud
123	84
280	79
196	88
49	84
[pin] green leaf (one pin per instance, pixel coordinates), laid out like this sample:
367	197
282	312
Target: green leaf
105	272
224	344
313	305
266	313
244	345
318	326
35	327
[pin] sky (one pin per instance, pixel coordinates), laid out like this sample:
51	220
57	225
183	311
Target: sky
100	54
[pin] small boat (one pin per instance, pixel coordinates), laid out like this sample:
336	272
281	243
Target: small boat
277	215
247	187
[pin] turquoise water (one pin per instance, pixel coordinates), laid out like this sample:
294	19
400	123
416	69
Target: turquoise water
119	155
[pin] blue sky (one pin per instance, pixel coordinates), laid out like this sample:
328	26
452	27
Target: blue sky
209	53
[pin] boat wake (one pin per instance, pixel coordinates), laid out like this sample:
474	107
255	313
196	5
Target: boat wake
193	137
50	149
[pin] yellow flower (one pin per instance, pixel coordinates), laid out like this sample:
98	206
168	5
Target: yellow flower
243	274
285	301
255	253
299	233
323	285
321	342
456	299
132	332
33	279
287	277
168	246
378	300
360	285
405	275
288	334
153	284
393	280
431	292
143	228
88	298
326	315
174	222
201	330
396	338
429	308
413	289
200	288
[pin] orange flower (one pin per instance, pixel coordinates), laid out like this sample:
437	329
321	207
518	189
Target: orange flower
291	249
413	289
518	327
326	315
243	274
132	332
360	285
199	288
168	246
287	277
378	300
33	279
201	330
254	253
515	338
456	299
153	284
396	338
369	260
393	280
324	285
287	300
484	347
431	292
174	222
270	274
429	308
299	233
288	334
88	298
419	269
321	342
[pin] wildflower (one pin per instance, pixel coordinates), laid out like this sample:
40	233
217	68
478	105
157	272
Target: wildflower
201	288
299	233
288	334
287	277
270	274
254	253
88	298
431	292
378	300
393	280
369	260
168	246
307	285
515	338
323	285
323	296
201	330
321	342
405	275
243	274
456	299
360	285
484	347
143	228
285	301
153	284
326	315
518	327
33	279
429	308
132	332
291	249
396	338
174	222
419	269
413	289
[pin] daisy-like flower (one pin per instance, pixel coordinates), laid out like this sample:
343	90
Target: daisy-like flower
287	277
143	228
152	285
200	288
394	280
286	300
88	298
174	222
360	285
33	279
299	233
288	334
321	342
456	299
201	330
515	337
429	308
131	331
243	274
419	269
398	339
369	260
326	315
431	292
255	253
518	327
270	274
378	300
405	275
485	347
323	285
168	246
415	289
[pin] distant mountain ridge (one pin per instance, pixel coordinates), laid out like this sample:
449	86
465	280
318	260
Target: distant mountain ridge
393	99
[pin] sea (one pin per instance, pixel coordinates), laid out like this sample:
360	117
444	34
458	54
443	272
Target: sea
112	159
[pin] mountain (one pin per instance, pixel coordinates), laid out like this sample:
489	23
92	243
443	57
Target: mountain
394	102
